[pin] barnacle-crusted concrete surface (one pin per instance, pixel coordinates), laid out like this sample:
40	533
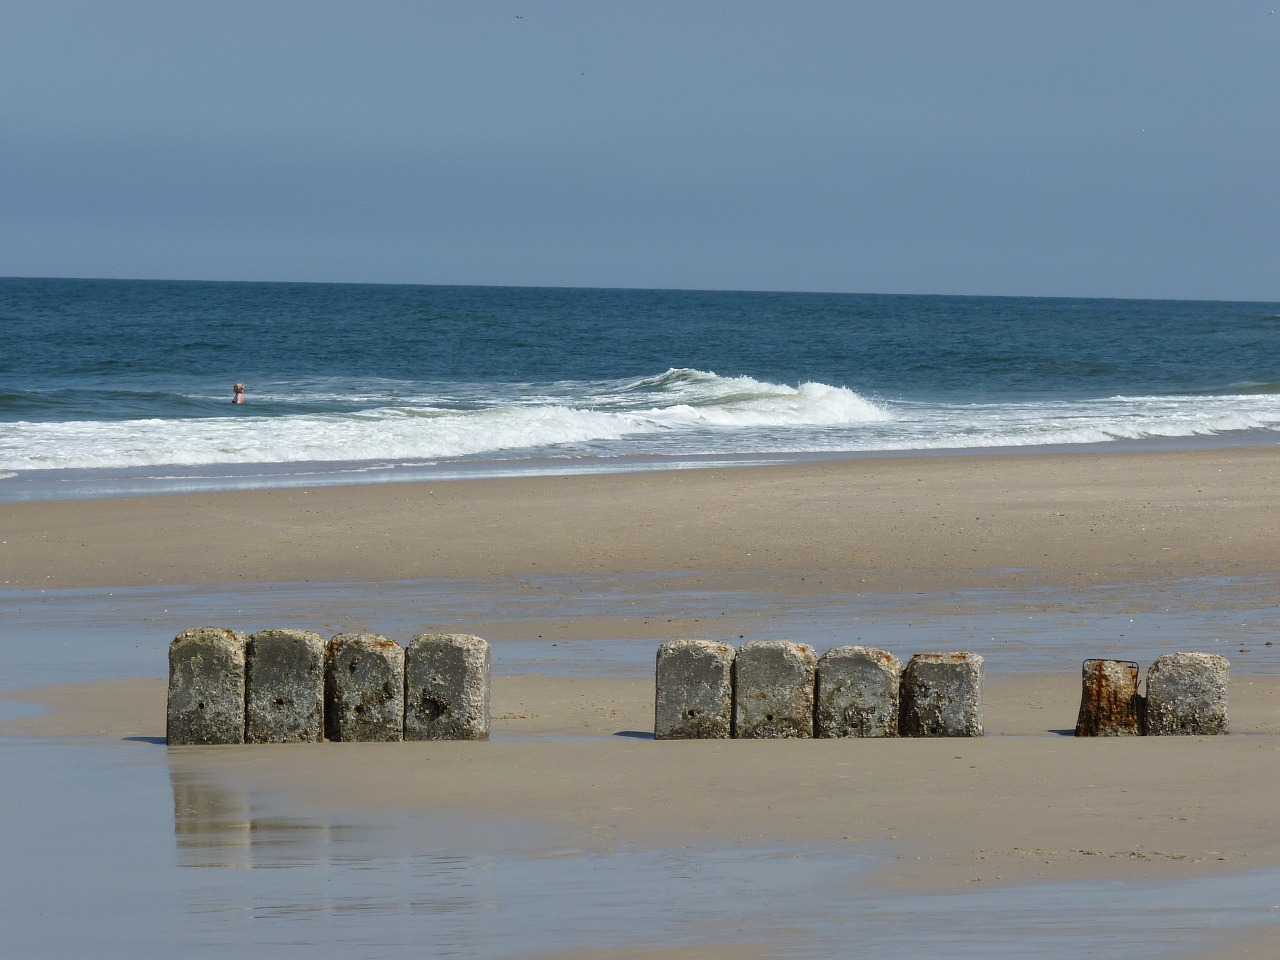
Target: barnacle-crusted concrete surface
693	690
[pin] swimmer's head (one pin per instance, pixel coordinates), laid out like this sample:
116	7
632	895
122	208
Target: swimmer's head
238	388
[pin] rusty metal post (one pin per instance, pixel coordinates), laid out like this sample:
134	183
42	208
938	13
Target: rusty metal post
1109	701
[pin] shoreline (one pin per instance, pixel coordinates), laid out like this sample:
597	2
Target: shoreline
45	486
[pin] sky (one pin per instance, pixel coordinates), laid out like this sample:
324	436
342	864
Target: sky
1066	148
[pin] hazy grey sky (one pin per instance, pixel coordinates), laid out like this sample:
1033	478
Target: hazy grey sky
1054	148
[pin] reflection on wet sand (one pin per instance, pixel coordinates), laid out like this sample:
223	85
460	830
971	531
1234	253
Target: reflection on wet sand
395	883
212	824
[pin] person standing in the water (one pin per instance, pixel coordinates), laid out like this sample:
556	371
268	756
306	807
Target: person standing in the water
237	394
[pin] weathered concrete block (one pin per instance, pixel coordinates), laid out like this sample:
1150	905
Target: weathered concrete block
942	695
364	688
1109	701
446	696
694	699
1187	694
773	690
206	687
857	693
285	687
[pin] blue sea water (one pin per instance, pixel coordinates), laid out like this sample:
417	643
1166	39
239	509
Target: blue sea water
110	386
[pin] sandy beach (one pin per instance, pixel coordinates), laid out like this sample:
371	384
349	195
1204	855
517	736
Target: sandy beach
898	524
1025	804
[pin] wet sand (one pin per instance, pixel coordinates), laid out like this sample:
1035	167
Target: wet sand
1024	804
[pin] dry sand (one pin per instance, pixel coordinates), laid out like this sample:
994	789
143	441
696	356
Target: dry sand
1023	803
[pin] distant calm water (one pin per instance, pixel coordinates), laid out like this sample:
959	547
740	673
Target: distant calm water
125	386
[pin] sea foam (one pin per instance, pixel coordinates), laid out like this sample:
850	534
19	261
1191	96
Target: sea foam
681	412
565	417
744	402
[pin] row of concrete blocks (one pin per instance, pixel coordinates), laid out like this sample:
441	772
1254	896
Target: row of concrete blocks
775	689
1186	695
293	686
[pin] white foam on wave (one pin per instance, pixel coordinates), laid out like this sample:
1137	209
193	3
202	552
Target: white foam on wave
1058	423
387	434
682	412
598	413
770	405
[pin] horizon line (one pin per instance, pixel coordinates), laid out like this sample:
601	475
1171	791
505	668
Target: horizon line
584	287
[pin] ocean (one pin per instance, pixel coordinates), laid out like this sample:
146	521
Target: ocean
117	387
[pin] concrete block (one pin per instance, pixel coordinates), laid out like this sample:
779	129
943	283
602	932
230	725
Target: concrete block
694	697
446	693
942	695
1187	695
285	687
773	690
1109	699
364	688
857	693
206	687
